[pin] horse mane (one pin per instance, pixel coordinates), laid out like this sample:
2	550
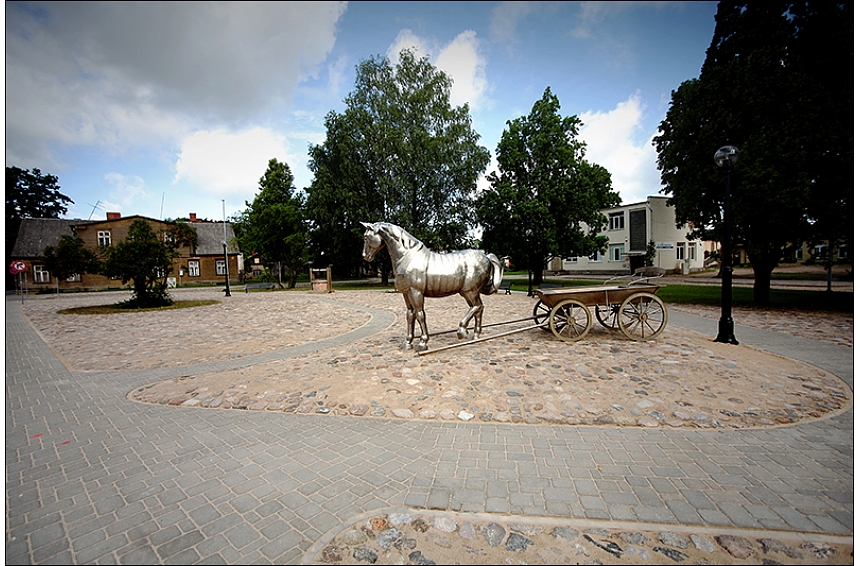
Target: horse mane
407	240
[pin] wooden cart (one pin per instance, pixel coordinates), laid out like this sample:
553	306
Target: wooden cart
634	308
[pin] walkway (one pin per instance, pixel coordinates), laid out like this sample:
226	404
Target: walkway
92	477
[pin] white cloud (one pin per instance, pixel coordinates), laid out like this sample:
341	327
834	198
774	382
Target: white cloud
406	39
505	18
614	141
592	14
337	74
119	75
461	59
226	164
126	189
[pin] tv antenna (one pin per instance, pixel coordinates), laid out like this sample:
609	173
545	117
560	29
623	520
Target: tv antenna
97	205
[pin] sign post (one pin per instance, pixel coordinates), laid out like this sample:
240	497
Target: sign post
18	267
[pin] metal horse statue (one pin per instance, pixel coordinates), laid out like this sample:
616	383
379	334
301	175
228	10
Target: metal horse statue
419	273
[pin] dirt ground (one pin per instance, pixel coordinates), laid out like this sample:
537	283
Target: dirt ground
681	379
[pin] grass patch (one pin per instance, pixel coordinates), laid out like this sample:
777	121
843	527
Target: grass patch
363	286
836	301
743	297
523	284
117	309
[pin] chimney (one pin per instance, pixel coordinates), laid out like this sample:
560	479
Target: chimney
114	215
192	217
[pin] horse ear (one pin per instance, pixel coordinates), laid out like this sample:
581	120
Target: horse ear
366	225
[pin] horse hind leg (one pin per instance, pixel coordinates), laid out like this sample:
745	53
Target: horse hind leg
476	310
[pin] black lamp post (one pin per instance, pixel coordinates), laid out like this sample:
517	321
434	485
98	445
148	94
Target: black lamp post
725	158
226	257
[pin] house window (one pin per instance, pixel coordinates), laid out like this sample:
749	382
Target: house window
193	268
596	256
821	251
104	238
679	251
842	251
76	278
220	267
798	253
691	252
570	259
616	221
616	252
40	274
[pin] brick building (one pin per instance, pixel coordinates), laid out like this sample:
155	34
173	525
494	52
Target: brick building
205	264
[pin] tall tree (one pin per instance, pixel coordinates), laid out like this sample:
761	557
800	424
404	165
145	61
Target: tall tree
342	194
145	259
411	157
546	199
766	88
273	224
30	194
70	257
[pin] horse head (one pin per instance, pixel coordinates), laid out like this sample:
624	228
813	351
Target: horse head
373	242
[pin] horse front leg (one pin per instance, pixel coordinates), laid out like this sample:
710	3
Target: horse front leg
415	299
410	327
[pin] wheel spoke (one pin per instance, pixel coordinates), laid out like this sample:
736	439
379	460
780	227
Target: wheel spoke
643	317
571	320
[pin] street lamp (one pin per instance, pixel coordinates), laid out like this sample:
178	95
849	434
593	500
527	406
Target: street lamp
226	258
725	158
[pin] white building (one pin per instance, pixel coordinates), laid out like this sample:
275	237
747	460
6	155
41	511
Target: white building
631	227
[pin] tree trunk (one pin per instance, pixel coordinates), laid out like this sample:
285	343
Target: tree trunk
537	268
764	259
761	288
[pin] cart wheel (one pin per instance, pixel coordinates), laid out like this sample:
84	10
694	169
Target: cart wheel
642	316
570	320
607	315
541	313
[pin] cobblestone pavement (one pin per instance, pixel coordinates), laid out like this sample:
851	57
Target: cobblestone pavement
834	327
92	477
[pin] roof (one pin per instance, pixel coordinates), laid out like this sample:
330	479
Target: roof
36	234
640	203
210	238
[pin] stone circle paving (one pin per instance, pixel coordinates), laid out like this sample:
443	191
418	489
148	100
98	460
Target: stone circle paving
681	379
425	538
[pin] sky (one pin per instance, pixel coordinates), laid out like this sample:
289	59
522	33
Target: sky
164	109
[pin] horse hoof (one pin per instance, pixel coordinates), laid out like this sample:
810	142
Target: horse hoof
406	346
462	333
421	347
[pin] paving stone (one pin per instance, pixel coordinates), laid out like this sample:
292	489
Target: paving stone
186	449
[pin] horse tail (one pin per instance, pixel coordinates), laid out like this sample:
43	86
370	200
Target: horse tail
495	279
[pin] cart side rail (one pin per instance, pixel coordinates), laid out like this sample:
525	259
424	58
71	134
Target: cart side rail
597	295
642	276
